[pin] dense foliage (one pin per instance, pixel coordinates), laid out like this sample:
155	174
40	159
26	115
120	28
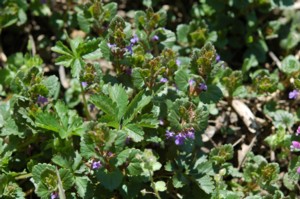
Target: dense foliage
149	99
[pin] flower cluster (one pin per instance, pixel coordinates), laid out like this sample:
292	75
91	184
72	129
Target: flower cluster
295	146
181	136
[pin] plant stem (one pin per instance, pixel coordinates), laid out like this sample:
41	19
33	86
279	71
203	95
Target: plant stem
23	176
153	186
86	110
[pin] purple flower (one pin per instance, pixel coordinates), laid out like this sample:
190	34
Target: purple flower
203	86
293	94
298	170
84	84
295	145
128	71
54	195
96	165
163	80
92	107
134	40
155	38
109	154
218	58
111	46
42	100
192	82
190	134
129	48
170	134
178	62
161	122
298	131
179	139
128	139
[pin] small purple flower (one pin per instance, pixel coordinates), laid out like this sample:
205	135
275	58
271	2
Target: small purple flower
155	38
218	58
203	86
109	154
298	170
128	71
129	48
42	100
170	134
179	139
111	46
298	131
161	122
54	195
96	165
190	134
134	40
295	145
128	139
163	80
293	94
92	107
84	84
192	82
178	62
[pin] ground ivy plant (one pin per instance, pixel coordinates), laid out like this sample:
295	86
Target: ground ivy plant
139	98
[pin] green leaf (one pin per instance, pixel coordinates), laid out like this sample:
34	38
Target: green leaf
179	180
182	31
204	166
170	39
137	78
52	85
48	121
65	122
110	180
249	63
87	147
212	95
269	172
135	106
62	49
13	190
105	104
38	170
83	22
118	95
67	178
284	118
134	132
111	10
133	156
181	79
206	184
257	49
222	153
290	65
105	50
83	185
160	186
202	60
77	65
